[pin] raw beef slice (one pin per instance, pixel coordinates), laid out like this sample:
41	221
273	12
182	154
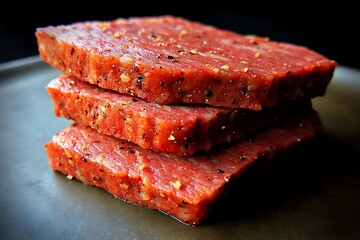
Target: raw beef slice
171	60
180	130
185	188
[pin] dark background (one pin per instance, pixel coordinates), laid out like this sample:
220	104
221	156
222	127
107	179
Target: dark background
329	29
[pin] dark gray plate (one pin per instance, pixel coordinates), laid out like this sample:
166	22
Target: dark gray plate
317	198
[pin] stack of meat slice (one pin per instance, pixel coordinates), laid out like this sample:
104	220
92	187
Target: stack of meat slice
167	112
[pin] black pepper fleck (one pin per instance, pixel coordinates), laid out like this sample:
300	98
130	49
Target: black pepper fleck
139	81
243	90
130	150
208	93
135	68
97	179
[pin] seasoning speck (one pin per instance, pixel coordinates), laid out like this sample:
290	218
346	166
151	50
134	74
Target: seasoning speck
176	184
142	166
124	186
125	77
117	35
216	70
103	26
171	138
225	67
183	32
69	177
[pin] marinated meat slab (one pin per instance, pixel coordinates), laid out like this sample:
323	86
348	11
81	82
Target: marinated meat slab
176	129
171	60
185	188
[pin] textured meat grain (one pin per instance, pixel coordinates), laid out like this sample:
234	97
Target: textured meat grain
183	187
170	60
180	130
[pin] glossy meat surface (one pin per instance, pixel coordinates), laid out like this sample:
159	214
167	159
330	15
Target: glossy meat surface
171	60
181	130
185	188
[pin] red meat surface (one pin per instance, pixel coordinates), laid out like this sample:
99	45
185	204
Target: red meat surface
185	188
171	60
180	130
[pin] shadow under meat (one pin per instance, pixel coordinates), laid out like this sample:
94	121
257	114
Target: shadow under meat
300	175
